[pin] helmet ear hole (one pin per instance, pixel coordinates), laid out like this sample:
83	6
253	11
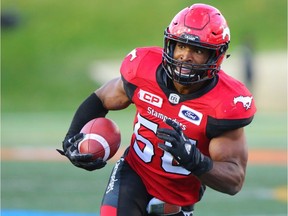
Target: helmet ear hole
223	48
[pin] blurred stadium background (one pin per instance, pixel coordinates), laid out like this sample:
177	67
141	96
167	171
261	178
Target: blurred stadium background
55	53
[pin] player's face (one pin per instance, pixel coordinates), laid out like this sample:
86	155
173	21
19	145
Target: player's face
190	54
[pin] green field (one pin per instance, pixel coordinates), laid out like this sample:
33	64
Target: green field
43	186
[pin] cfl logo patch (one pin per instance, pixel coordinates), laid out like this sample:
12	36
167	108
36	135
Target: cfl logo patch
174	98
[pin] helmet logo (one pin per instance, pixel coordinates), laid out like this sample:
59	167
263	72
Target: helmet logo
226	31
190	37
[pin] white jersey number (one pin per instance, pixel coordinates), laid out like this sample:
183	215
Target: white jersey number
147	152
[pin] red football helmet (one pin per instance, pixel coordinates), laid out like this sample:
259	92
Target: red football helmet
198	25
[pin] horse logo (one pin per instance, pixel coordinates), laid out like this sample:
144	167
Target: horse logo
245	100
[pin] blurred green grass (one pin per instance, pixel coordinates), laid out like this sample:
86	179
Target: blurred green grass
47	56
58	186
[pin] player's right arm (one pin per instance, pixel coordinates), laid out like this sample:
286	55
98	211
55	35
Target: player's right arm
111	96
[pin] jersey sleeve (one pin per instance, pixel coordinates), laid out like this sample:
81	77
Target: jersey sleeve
236	109
216	127
128	71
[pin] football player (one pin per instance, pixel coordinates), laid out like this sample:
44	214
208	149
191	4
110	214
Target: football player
189	121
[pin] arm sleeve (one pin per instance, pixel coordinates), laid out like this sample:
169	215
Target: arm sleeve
91	108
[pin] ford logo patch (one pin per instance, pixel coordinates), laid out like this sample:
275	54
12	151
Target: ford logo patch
190	115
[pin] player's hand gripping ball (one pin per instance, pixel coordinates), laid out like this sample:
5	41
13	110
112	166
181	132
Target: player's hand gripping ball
102	138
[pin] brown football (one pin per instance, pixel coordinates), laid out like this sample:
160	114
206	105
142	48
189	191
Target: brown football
102	138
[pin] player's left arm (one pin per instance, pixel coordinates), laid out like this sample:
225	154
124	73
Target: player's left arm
229	154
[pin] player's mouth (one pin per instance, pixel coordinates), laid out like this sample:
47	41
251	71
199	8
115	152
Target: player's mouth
183	71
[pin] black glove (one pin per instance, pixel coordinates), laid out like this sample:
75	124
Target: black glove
85	161
183	150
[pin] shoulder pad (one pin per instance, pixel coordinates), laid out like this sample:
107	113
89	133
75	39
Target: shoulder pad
140	58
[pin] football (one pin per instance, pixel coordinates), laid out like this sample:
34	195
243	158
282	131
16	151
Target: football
102	138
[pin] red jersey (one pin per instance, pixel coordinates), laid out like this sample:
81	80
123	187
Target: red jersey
225	104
